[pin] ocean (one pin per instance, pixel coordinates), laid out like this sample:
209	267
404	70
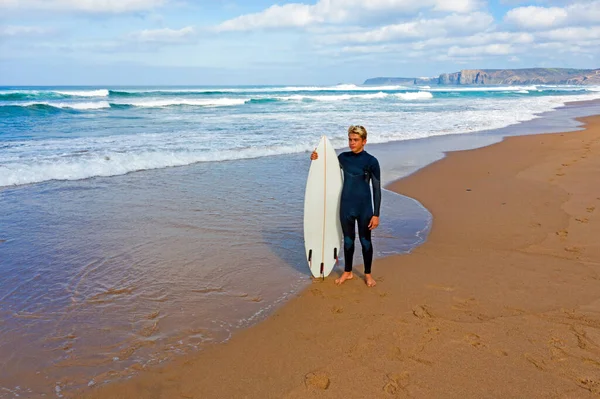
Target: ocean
138	224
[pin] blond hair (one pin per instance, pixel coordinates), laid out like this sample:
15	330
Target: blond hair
357	129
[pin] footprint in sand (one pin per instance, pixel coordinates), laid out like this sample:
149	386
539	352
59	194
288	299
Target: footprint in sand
562	233
420	360
337	310
593	362
391	388
422	312
396	382
440	287
589	384
582	220
317	380
591	209
515	311
574	250
396	354
316	292
474	340
560	174
538	363
557	352
463	304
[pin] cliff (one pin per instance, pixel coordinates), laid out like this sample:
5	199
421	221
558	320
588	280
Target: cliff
503	77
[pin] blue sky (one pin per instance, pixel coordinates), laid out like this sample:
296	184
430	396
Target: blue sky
186	42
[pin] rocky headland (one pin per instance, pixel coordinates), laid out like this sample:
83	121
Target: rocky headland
501	77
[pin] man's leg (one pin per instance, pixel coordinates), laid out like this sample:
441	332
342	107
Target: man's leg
364	234
348	228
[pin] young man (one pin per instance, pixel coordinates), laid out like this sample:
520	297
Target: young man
361	170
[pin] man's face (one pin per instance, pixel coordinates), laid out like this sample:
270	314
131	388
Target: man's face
356	143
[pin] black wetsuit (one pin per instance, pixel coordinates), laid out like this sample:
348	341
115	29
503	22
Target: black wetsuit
360	171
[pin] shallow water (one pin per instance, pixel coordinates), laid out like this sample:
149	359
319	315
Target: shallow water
103	276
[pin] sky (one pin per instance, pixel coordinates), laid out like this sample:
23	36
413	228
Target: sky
260	42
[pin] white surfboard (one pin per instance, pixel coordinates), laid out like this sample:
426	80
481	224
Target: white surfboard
322	228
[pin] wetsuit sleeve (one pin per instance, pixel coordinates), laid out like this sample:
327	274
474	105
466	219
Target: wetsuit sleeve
376	181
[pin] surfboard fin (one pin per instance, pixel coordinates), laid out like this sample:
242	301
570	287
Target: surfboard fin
322	267
335	255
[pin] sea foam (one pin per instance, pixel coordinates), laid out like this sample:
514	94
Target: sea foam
419	95
85	93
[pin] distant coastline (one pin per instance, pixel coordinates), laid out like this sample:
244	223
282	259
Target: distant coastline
500	77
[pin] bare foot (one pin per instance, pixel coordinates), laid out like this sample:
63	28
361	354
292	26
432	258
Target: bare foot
345	276
370	281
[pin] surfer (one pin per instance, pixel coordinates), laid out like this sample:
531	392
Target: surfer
361	170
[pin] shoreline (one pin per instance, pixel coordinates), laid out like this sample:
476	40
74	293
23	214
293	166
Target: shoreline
505	282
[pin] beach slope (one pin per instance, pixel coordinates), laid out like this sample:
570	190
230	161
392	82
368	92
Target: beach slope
502	301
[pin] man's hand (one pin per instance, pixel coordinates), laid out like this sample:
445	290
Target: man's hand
374	223
314	156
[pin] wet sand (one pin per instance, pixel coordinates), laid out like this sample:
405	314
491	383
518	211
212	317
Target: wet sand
502	301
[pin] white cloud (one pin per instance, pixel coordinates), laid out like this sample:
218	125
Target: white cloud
452	25
22	31
90	6
571	34
492	49
288	15
165	35
367	49
540	18
479	39
584	13
536	17
462	6
338	11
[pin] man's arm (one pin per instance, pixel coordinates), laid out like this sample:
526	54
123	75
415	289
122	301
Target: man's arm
376	182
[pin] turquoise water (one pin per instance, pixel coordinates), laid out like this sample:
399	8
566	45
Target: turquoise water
139	224
81	132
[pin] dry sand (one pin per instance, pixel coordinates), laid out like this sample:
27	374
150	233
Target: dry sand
502	301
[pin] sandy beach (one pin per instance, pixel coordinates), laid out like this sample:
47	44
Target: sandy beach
502	301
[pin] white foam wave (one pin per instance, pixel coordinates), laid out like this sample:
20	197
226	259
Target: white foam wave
78	106
419	95
265	89
483	88
215	102
118	163
340	97
84	93
351	87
